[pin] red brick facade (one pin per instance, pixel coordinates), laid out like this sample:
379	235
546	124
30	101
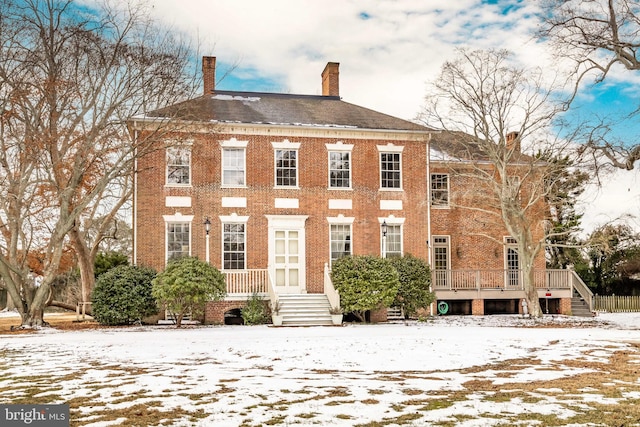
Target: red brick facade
364	205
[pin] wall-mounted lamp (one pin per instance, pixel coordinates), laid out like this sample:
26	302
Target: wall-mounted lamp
207	229
384	227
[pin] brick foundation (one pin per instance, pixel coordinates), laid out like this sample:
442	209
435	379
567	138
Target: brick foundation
565	306
214	311
477	307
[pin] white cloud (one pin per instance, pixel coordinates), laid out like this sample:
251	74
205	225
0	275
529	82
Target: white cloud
388	50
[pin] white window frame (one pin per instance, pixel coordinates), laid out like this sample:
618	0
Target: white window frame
285	145
512	277
176	219
340	148
390	149
441	276
233	219
344	221
173	152
446	244
226	146
437	202
391	221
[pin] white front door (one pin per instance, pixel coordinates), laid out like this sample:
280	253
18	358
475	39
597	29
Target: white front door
287	253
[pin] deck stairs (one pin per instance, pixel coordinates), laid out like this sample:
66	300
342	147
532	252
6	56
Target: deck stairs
305	310
579	307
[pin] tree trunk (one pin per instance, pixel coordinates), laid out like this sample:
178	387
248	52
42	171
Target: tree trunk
86	264
69	307
34	316
531	293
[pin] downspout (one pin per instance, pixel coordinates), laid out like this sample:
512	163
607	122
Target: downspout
429	255
134	222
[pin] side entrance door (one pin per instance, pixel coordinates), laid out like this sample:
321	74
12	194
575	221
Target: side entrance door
287	253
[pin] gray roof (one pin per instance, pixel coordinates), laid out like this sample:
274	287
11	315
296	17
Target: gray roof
283	109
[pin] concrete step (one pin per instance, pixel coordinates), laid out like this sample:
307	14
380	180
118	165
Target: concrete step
579	308
305	310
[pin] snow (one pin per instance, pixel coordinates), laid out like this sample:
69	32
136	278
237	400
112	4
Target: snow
335	375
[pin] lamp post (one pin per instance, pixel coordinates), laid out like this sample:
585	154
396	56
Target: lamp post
384	238
207	228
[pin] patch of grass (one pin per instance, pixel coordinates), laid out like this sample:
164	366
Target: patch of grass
370	401
279	420
344	417
376	391
437	404
307	415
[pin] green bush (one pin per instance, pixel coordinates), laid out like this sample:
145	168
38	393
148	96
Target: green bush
122	295
105	261
255	312
186	285
364	283
415	279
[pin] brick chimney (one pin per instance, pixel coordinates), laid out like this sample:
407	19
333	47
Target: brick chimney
331	79
513	141
209	73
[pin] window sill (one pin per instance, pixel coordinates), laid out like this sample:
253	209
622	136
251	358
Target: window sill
393	190
178	186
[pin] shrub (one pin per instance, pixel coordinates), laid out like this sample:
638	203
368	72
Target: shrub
255	312
364	283
186	285
122	295
415	277
105	261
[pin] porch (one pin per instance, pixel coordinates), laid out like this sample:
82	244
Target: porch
447	284
508	284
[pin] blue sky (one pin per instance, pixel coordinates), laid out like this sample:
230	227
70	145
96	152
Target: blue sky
388	51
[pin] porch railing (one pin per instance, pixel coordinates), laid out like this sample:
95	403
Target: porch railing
499	279
247	282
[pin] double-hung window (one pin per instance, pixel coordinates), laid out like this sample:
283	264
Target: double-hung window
340	239
391	236
178	239
286	163
339	165
286	168
390	167
178	166
394	241
234	163
440	189
233	246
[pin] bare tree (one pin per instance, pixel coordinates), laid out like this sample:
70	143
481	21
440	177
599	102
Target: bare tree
598	36
492	113
70	78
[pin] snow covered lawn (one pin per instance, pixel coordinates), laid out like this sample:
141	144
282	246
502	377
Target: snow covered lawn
450	371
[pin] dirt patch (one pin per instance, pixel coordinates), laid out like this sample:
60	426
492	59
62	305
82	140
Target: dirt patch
61	321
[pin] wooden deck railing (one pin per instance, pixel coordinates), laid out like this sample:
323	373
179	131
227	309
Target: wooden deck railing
499	279
247	281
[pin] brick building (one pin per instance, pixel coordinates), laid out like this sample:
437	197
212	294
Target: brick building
271	188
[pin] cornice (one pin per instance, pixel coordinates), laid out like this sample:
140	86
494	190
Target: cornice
278	130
